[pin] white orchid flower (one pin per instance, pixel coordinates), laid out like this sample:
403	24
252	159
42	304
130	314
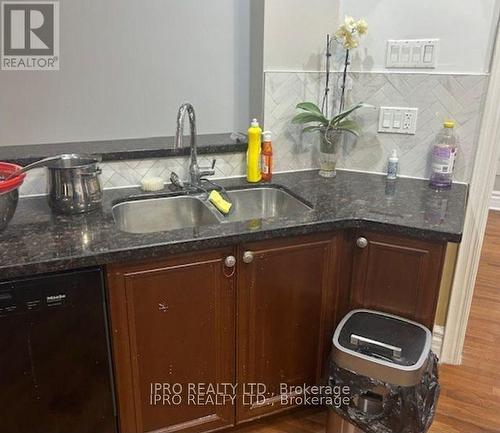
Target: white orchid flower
362	27
350	31
350	23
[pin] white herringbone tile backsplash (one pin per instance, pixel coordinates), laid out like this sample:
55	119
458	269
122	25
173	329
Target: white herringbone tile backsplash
130	173
437	97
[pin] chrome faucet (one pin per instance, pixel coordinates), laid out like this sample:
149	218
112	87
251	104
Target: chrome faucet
196	173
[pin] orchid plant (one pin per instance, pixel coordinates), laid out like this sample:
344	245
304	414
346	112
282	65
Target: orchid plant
348	35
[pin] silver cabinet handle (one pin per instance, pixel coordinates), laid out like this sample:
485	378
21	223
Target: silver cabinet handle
230	261
362	242
248	257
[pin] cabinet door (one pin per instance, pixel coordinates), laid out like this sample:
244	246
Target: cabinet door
286	305
397	275
173	323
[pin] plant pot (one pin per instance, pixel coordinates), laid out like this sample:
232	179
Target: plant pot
329	146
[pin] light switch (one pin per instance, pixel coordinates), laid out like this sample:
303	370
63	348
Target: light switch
387	119
405	54
395	54
396	124
428	54
416	54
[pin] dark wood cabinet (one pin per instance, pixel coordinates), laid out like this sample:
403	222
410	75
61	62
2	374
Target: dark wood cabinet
266	316
396	275
286	306
173	322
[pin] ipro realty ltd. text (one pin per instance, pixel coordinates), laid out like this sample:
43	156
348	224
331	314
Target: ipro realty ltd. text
248	394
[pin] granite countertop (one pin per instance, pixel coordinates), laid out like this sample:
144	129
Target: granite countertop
125	149
37	241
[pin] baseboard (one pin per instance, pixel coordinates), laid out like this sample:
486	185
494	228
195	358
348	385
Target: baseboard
437	340
495	200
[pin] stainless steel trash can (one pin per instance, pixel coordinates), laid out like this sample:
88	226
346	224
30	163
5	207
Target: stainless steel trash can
382	347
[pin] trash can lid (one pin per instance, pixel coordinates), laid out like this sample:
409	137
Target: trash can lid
382	346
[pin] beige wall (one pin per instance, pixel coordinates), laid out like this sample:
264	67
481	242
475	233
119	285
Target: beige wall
295	31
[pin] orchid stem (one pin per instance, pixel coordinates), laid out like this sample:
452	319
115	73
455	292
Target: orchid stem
344	81
324	105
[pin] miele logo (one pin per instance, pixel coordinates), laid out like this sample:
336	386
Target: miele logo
56	298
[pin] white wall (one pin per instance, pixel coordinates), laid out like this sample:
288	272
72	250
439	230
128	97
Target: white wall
466	30
127	65
295	32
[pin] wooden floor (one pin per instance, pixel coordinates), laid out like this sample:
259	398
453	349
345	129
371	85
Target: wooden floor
305	421
470	396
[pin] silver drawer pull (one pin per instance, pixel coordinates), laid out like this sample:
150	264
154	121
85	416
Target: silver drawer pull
362	243
357	339
230	261
248	257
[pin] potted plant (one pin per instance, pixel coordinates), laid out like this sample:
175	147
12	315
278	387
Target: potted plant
332	129
331	132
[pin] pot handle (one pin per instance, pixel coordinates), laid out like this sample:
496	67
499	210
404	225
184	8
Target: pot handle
97	171
36	164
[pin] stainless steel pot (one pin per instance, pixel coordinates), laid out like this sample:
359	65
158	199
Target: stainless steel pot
74	185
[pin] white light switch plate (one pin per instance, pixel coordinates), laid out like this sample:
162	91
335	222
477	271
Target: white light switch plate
412	53
398	120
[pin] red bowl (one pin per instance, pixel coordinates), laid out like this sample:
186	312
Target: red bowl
7	169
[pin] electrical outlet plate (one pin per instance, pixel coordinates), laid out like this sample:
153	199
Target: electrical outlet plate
412	53
398	120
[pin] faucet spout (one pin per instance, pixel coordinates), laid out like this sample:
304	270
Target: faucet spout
186	109
195	172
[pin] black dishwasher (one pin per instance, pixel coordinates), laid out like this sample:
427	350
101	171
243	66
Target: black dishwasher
55	370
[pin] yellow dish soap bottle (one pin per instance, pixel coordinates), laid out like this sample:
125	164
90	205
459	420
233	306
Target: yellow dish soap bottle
254	174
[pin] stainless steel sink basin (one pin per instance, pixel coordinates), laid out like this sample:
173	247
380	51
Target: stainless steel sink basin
170	213
264	202
162	214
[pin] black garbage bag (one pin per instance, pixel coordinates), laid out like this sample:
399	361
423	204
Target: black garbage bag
403	409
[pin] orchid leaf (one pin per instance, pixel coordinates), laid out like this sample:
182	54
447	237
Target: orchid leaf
308	117
339	117
311	129
349	126
309	106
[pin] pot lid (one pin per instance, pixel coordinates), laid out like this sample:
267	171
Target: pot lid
74	160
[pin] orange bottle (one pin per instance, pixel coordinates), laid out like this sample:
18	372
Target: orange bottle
267	157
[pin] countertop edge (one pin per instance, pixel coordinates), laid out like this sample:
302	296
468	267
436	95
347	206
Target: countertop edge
156	251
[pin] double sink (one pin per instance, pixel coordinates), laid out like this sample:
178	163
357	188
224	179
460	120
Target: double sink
166	213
